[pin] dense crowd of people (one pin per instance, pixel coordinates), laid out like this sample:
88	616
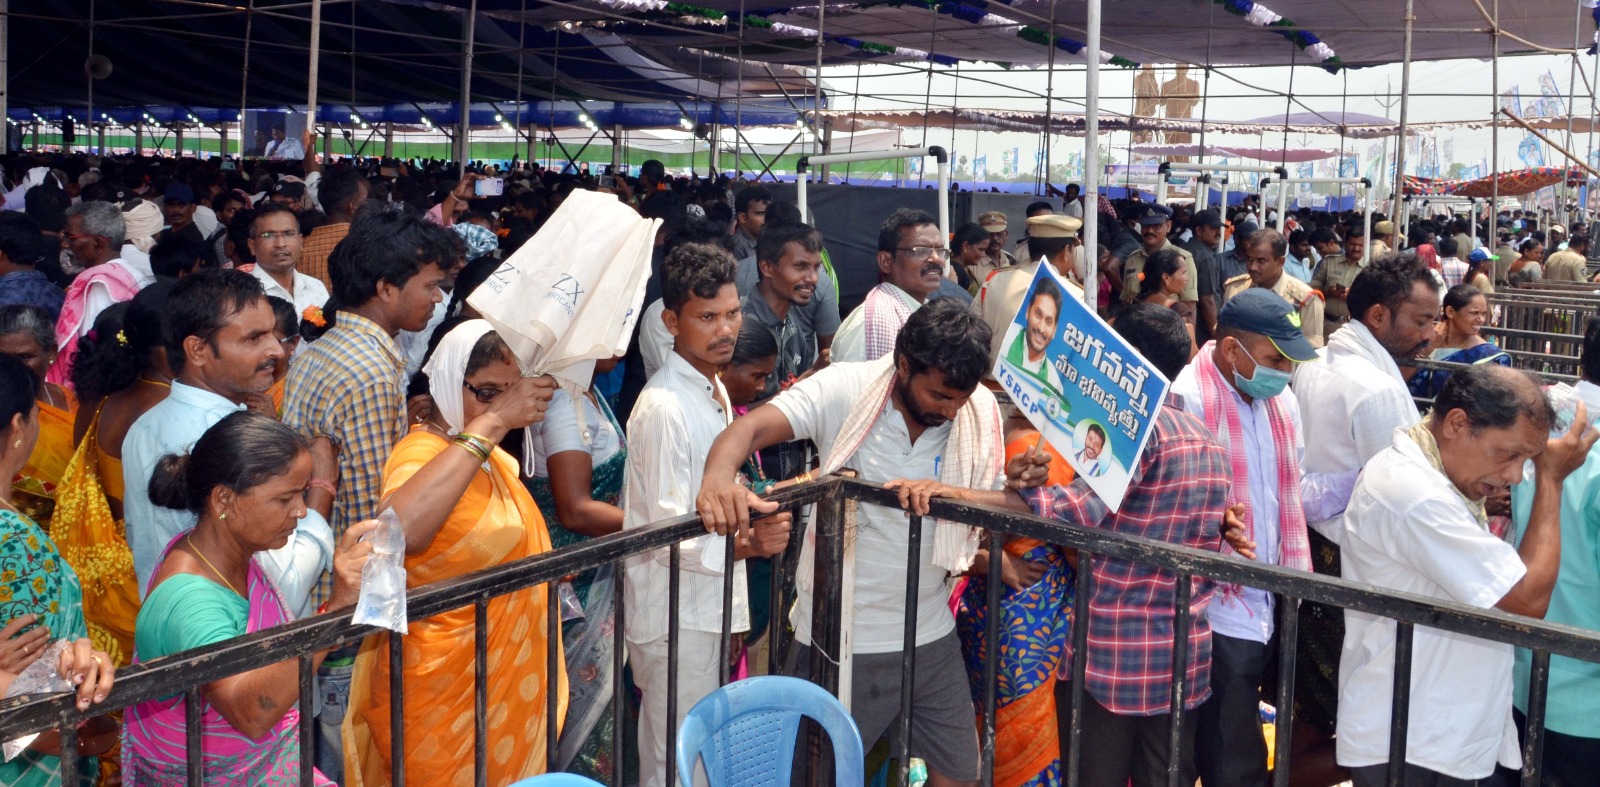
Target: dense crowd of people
214	383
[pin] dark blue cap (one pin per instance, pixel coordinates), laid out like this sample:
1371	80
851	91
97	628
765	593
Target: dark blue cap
1153	214
1259	310
179	192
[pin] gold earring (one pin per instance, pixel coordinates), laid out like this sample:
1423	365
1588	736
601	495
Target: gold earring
223	517
17	444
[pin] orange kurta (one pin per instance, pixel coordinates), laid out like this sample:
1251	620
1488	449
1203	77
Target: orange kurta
495	522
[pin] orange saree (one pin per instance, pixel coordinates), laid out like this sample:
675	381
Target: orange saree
496	522
36	484
95	543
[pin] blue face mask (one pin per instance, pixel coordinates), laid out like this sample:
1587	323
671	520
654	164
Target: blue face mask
1264	384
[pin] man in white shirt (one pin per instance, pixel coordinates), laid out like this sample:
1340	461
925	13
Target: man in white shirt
222	350
912	255
680	411
276	243
918	415
1416	524
1236	386
1355	397
282	148
1351	402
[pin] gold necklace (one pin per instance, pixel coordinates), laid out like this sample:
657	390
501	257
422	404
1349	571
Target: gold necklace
158	383
189	539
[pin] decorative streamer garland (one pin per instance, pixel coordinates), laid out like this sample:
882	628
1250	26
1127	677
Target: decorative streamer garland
1261	16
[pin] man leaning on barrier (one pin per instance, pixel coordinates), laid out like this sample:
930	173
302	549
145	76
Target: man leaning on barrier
1177	495
1416	523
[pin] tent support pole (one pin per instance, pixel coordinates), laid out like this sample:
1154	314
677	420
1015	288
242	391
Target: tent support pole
311	72
1049	102
766	168
1494	127
1400	149
616	149
5	59
244	79
1572	108
1091	183
463	151
388	139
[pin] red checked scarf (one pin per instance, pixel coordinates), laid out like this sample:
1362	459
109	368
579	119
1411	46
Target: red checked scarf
1222	418
974	457
886	314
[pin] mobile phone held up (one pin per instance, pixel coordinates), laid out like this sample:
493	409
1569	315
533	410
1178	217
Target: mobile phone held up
608	182
489	187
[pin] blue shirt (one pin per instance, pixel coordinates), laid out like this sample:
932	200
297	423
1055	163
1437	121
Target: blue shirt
1575	600
29	287
173	427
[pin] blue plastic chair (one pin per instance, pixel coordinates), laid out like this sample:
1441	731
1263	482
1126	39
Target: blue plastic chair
745	731
557	780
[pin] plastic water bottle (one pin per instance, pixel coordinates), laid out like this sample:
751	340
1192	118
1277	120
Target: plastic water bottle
918	772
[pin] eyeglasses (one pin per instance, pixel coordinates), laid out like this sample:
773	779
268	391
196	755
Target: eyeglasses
485	396
271	235
924	252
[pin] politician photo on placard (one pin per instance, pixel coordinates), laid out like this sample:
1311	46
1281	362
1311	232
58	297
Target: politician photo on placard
1027	348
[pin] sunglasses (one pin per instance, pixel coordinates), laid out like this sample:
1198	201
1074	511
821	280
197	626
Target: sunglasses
484	395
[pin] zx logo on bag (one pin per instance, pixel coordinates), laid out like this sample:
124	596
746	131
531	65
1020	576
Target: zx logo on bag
565	292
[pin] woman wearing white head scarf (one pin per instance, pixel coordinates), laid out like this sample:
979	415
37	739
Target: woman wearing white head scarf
464	509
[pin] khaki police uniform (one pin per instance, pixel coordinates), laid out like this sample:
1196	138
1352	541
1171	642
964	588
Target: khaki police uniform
1335	270
1132	266
1299	295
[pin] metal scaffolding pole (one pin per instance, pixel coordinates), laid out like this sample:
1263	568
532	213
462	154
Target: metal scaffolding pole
1091	159
5	58
1397	197
316	62
463	151
1494	126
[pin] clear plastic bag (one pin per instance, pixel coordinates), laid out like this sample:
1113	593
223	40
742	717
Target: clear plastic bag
383	578
40	677
571	607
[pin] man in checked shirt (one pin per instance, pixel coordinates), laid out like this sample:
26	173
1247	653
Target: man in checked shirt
1178	494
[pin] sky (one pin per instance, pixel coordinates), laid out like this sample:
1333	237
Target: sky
1440	90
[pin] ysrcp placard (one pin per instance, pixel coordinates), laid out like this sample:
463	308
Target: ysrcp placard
1090	394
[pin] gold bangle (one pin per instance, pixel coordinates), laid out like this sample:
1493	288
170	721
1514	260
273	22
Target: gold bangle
480	438
472	447
803	477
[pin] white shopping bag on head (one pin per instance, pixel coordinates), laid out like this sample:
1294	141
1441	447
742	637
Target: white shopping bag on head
573	293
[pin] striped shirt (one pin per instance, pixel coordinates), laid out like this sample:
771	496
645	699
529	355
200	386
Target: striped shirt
1178	495
350	386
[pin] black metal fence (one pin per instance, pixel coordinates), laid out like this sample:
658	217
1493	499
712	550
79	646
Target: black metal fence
835	499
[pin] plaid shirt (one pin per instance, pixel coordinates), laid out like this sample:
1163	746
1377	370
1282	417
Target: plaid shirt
1178	495
350	386
316	250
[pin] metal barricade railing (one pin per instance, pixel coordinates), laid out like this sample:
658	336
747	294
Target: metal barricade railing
834	497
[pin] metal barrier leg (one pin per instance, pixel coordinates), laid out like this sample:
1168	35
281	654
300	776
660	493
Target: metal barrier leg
552	665
1400	713
1533	742
619	707
908	656
397	706
725	669
674	563
1283	724
1080	666
1180	677
68	732
480	692
308	676
993	649
194	754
